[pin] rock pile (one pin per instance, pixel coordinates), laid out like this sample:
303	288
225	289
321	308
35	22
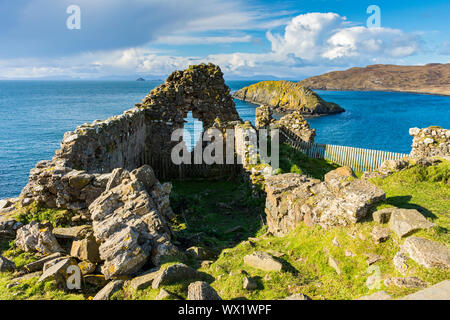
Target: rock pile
339	200
430	142
130	221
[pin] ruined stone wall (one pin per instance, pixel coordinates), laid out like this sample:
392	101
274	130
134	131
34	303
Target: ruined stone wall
76	175
430	142
100	147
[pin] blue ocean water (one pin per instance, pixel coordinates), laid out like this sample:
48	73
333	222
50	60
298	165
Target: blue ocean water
36	114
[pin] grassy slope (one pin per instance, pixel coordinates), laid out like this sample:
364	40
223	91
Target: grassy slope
206	210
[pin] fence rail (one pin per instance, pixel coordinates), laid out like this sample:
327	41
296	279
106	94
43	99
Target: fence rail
358	159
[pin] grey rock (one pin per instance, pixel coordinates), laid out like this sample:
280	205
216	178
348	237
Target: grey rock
174	273
262	260
35	237
6	265
334	264
200	253
201	290
72	233
298	296
165	295
87	267
5	203
407	282
406	221
109	290
440	291
380	295
383	215
143	281
373	258
86	249
58	271
426	252
249	284
380	234
129	223
39	264
400	262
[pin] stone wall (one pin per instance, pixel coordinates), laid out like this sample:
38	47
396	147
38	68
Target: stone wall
297	127
430	142
100	147
144	133
77	174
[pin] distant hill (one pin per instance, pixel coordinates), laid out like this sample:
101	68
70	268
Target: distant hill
431	79
287	96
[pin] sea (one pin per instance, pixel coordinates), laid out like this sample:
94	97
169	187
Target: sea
35	115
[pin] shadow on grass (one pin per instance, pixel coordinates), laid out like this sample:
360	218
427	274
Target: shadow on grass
403	202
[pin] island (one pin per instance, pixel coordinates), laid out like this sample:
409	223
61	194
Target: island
432	78
286	96
140	79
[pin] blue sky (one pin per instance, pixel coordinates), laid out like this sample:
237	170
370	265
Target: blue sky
247	38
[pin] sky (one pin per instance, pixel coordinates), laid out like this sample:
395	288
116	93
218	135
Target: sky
248	39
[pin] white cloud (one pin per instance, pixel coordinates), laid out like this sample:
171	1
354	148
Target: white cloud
329	38
311	44
190	40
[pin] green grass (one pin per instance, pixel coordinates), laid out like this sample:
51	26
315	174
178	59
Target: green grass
33	290
33	212
222	215
294	161
215	214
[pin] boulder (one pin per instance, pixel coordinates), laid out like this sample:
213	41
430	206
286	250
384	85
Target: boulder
72	233
5	203
109	290
6	265
427	253
380	295
338	201
406	221
200	253
165	295
130	222
201	290
400	262
37	237
440	291
380	234
249	284
58	271
96	280
407	282
174	273
373	258
262	260
86	249
334	264
298	296
39	264
383	215
143	281
87	267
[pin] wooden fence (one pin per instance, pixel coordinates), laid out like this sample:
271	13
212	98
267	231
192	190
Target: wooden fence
360	160
165	169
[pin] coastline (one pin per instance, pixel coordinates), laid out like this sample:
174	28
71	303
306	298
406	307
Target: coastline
384	90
